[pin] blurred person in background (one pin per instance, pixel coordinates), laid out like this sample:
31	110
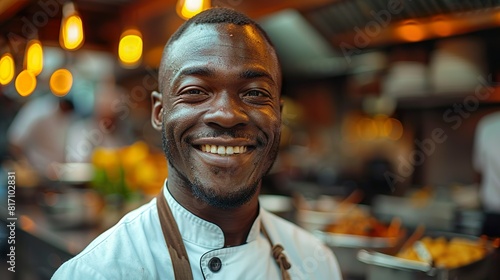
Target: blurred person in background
34	109
38	134
104	128
486	161
219	113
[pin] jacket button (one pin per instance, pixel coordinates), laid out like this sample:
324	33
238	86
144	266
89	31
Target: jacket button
214	264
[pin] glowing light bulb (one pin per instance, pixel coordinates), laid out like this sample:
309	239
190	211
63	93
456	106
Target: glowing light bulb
7	69
394	128
442	27
61	82
367	129
186	9
25	83
71	36
411	32
130	48
34	57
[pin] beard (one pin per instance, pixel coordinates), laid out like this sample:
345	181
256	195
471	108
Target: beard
228	200
225	201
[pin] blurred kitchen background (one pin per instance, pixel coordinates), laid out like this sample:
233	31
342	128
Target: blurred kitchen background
382	100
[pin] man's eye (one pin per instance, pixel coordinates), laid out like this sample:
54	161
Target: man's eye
193	91
256	93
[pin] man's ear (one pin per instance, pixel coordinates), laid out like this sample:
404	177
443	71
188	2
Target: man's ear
157	110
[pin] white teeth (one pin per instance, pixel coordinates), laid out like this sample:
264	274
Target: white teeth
223	150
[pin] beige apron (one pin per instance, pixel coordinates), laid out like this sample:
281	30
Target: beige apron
177	251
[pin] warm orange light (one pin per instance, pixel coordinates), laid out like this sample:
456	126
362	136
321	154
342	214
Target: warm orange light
393	129
25	83
34	57
71	35
7	69
380	120
442	27
152	57
367	129
130	48
497	17
61	82
27	223
187	9
411	32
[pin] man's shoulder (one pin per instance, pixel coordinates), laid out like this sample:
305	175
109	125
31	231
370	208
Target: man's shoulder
131	226
145	211
120	246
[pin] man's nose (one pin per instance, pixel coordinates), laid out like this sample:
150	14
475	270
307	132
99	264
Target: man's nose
226	111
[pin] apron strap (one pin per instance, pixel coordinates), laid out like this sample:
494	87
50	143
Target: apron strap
175	245
177	251
279	257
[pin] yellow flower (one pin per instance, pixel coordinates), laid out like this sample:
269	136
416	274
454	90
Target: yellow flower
105	158
129	170
133	154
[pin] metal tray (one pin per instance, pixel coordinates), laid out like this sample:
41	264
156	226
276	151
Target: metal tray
346	247
388	267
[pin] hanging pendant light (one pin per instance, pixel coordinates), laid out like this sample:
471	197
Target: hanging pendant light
71	35
61	82
33	59
130	48
7	69
25	83
187	9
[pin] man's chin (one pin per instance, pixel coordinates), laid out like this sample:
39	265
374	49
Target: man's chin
224	200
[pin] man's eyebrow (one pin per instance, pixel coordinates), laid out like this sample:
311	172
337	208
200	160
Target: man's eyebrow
207	72
251	74
197	71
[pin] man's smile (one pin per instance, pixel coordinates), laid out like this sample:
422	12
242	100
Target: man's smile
224	146
222	159
223	150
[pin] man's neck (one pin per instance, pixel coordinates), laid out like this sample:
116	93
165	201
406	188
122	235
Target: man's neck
235	223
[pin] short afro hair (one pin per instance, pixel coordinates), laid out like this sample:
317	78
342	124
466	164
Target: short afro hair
216	16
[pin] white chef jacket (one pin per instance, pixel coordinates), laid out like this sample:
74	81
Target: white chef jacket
486	160
135	249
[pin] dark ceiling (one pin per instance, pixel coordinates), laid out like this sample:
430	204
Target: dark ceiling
339	20
342	16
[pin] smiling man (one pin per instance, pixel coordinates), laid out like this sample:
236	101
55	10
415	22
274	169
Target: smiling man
219	112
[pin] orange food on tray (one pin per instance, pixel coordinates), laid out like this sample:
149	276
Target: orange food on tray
360	223
446	253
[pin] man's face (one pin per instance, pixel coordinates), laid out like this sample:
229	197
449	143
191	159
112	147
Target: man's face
221	111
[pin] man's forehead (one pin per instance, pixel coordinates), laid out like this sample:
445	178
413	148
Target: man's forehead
207	31
211	44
